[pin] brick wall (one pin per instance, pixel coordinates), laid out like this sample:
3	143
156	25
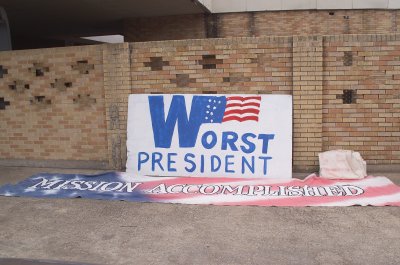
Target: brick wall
277	23
323	22
361	100
237	25
242	65
52	104
71	103
294	66
248	24
117	86
307	102
165	28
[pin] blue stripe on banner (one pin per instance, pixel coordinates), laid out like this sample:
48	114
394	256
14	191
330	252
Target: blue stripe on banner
107	186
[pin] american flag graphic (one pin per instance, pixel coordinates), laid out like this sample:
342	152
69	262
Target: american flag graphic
242	109
233	108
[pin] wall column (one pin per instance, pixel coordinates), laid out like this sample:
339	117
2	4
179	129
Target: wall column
307	101
117	87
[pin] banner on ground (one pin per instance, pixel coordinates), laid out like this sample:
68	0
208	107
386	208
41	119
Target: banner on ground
313	191
210	135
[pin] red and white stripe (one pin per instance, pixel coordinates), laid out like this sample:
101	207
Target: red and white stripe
242	108
378	191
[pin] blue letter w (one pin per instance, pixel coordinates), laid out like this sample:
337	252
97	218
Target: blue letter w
163	129
188	128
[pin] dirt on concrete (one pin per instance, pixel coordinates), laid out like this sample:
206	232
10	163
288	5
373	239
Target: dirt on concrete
118	232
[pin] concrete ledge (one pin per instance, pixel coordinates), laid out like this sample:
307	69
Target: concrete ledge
77	164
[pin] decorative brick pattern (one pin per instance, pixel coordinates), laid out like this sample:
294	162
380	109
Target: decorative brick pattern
4	103
84	100
156	63
19	86
371	124
83	67
231	57
236	78
44	124
39	69
339	101
183	80
3	71
40	101
61	84
209	61
349	96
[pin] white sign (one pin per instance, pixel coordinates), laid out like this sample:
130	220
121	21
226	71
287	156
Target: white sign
210	135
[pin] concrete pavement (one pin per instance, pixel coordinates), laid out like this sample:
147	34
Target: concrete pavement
117	232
